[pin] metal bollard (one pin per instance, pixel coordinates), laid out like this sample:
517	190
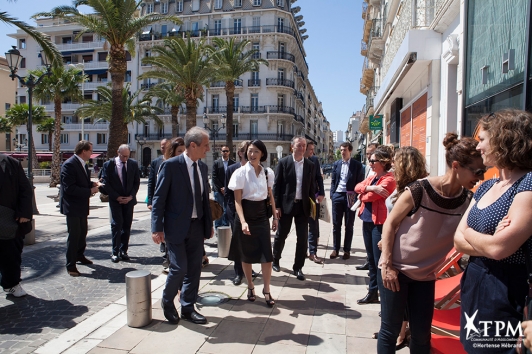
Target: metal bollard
224	241
138	298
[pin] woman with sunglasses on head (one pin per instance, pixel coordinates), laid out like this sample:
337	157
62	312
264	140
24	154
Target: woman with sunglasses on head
495	231
373	192
416	238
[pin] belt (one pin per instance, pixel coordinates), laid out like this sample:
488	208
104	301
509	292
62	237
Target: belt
297	200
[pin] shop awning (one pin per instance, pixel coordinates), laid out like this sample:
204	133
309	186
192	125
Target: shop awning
93	156
77	51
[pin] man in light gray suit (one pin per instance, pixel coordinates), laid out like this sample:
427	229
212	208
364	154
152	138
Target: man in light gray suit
181	216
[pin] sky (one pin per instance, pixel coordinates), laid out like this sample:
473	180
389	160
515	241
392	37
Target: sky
333	49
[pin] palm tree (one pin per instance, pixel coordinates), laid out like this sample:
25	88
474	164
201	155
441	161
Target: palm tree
186	65
18	115
233	61
167	95
48	126
62	84
135	109
118	22
5	125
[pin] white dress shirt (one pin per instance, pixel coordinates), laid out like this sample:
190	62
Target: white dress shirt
190	170
299	176
253	187
343	177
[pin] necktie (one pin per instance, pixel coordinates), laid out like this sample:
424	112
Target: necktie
124	177
197	193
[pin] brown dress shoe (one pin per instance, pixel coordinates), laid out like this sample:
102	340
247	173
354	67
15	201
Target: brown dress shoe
315	259
333	255
84	260
346	255
73	272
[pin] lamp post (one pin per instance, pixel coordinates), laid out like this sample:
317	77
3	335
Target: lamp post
82	67
213	130
141	142
14	57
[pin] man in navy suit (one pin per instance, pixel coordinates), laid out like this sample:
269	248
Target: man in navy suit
219	168
121	179
76	190
293	188
314	224
181	216
346	174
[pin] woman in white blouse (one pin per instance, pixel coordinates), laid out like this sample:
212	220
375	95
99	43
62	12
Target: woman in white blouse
251	241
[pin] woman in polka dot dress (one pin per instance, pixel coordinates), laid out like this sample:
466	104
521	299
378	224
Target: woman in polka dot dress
494	285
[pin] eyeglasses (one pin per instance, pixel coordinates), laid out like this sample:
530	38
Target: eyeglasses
479	172
373	161
225	150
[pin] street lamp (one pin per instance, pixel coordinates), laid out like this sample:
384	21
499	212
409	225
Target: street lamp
82	67
14	58
141	142
214	131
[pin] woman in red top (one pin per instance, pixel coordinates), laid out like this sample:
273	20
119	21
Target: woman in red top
373	192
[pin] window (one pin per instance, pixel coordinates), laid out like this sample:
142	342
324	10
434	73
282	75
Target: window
235	130
217	27
128	56
280	24
218	4
255	76
254	102
146	129
128	76
215	103
21	99
164	7
280	129
64	138
22	63
280	74
238	3
66	40
195	5
101	138
256	47
280	100
86	137
44	139
236	102
102	56
22	43
280	3
255	28
237	25
102	77
254	129
179	6
256	2
195	28
86	39
7	106
281	47
149	8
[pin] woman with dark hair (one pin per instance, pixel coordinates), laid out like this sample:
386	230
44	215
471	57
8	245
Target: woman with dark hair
251	243
417	235
175	148
494	285
373	192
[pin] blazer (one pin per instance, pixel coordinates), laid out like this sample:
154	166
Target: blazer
379	212
320	190
173	200
152	177
75	188
284	187
355	175
218	174
113	185
229	196
15	188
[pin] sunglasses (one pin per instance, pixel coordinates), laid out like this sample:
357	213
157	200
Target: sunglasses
373	161
477	172
225	150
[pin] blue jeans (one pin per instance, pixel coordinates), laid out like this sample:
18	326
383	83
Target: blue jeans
417	297
372	235
219	197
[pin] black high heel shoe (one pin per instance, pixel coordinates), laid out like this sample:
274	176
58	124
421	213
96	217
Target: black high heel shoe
251	295
270	302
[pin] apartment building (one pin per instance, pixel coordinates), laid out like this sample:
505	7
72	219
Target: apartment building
412	72
272	104
7	94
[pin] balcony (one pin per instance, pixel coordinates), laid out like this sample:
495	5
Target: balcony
92	65
299	96
91	86
216	32
279	82
368	74
281	56
280	109
364	10
221	84
64	107
80	46
299	118
155	137
363	48
366	29
263	137
375	47
252	109
363	88
147	86
254	83
86	126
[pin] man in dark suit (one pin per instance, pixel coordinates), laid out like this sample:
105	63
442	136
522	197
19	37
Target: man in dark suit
154	169
16	195
293	188
346	174
314	223
121	179
218	182
181	215
76	190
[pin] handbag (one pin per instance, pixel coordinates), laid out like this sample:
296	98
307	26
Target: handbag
269	212
527	311
324	212
8	224
216	209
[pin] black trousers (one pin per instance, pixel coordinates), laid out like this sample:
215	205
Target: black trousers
10	261
285	223
122	218
77	239
185	267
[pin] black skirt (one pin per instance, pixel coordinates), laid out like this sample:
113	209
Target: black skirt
256	247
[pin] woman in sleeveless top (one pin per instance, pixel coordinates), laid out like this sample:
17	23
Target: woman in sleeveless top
417	235
251	242
494	285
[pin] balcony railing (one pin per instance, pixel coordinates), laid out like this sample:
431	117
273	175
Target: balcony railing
299	118
156	137
280	109
254	83
279	82
147	86
85	45
256	55
363	48
281	55
95	65
263	137
86	126
218	84
252	109
64	106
